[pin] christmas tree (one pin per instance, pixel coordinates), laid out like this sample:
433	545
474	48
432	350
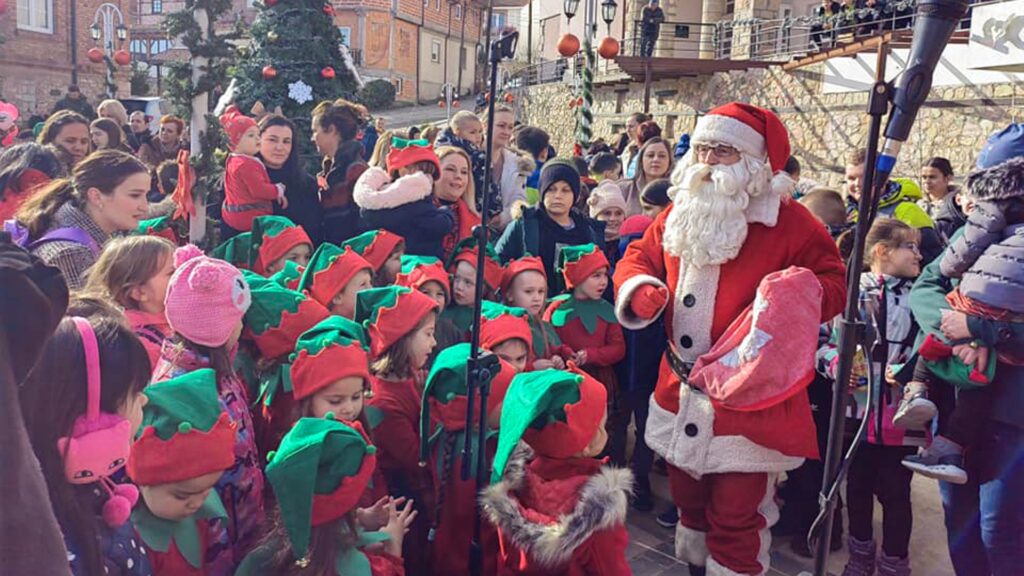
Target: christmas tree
295	60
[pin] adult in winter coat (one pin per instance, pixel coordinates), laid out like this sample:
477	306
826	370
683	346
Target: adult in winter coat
509	168
701	264
654	162
281	157
456	189
335	127
540	231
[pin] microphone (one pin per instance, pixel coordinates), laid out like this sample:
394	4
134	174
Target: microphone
936	20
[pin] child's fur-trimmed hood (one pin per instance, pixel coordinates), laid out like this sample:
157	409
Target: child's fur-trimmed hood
602	505
375	191
1000	182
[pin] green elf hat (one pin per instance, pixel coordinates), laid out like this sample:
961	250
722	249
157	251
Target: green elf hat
446	387
418	270
185	433
389	313
499	323
577	263
278	316
235	251
318	474
272	238
333	349
330	270
161	227
465	251
556	412
376	246
288	276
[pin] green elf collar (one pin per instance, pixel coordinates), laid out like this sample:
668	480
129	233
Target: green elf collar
273	381
460	316
588	312
353	561
158	533
544	335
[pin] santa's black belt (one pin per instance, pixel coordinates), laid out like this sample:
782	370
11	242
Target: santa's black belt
680	367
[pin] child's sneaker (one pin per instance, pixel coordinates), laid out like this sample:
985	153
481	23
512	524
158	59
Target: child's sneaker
915	409
862	558
943	460
669	518
892	566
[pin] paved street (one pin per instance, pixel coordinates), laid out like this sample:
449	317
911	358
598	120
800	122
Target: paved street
651	547
415	115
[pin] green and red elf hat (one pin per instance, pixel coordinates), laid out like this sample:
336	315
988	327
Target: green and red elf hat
185	433
288	276
418	270
445	392
389	313
556	412
466	251
278	316
376	246
577	263
235	251
272	238
318	473
333	349
517	267
499	323
330	270
408	152
162	227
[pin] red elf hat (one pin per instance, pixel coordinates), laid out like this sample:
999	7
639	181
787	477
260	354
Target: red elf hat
577	263
235	124
330	270
499	323
333	349
466	251
376	246
272	238
389	313
418	270
407	152
517	267
278	316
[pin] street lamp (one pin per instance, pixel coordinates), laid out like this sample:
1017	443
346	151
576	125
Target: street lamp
94	31
608	8
569	7
122	30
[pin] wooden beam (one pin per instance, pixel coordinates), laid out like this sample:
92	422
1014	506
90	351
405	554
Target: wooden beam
839	52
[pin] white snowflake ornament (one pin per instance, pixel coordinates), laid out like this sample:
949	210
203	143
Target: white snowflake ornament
300	92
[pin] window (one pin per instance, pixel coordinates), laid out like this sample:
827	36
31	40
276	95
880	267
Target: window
158	6
399	85
346	35
437	5
462	57
435	51
35	15
498	21
458	11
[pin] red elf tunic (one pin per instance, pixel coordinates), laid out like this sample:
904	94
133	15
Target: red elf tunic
248	192
590	325
560	517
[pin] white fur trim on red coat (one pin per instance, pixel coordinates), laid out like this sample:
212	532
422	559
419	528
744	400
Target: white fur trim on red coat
691	545
726	130
694	321
703	453
624	298
374	190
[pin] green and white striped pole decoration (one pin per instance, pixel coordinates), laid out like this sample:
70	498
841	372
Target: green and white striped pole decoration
586	113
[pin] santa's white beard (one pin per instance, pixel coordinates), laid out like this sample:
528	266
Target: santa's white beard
708	222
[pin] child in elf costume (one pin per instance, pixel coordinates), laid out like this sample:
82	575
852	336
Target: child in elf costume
586	323
383	250
206	300
400	199
400	323
330	375
248	192
184	446
235	251
273	324
462	266
276	240
557	508
506	332
333	278
442	434
318	474
427	275
525	285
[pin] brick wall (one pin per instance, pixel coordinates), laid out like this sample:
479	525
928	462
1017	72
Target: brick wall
823	128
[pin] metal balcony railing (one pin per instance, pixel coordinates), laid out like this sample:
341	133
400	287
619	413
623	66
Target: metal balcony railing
672	40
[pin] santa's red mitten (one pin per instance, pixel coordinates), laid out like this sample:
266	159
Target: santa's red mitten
933	349
648	300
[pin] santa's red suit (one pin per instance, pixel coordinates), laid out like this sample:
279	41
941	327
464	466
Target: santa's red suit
724	462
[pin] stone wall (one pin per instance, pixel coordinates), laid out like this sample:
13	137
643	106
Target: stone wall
823	127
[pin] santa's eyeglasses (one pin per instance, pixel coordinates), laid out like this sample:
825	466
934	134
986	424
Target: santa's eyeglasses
720	151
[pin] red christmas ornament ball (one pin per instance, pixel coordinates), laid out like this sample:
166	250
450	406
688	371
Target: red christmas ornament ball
455	104
269	72
608	48
122	57
509	98
440	103
568	45
95	54
327	72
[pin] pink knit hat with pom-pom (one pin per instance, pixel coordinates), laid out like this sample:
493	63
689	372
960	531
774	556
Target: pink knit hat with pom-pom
206	298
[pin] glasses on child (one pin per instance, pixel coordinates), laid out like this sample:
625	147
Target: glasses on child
720	151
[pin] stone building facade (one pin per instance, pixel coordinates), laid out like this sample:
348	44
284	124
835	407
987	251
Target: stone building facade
824	127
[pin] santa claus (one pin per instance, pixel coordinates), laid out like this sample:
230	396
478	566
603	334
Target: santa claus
731	225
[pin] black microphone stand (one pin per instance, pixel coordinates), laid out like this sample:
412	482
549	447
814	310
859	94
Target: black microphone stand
478	371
